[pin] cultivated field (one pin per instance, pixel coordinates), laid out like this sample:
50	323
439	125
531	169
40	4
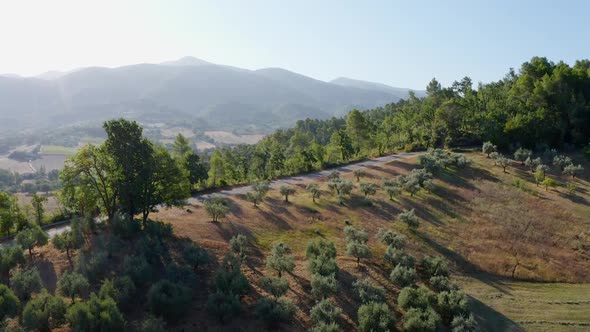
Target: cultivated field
483	221
226	137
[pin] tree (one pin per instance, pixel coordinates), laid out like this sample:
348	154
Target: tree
397	256
548	183
223	305
452	303
197	170
169	300
181	146
420	297
80	317
31	237
488	148
392	191
238	245
410	219
358	250
324	312
421	320
341	187
10	257
286	191
72	284
532	164
322	257
314	190
280	260
153	324
435	266
503	162
390	238
368	189
464	324
522	155
323	286
375	317
403	276
44	312
25	282
359	173
273	311
258	193
216	173
562	161
9	303
572	170
69	240
368	292
275	286
38	210
216	208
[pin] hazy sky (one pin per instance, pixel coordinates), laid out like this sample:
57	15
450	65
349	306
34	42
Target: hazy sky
401	43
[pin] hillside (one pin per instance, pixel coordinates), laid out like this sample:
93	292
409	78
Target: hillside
187	88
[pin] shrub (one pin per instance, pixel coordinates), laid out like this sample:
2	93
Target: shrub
223	305
9	303
464	324
326	327
169	300
435	266
44	312
396	256
24	282
229	279
322	257
415	298
409	218
153	324
273	312
238	245
120	289
403	276
421	320
72	284
138	269
277	287
31	237
280	260
375	317
368	292
323	286
324	312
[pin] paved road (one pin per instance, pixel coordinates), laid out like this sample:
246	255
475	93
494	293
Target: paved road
52	231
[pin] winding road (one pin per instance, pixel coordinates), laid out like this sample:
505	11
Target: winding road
58	229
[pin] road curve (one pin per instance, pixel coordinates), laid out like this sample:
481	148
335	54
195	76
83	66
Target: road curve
58	229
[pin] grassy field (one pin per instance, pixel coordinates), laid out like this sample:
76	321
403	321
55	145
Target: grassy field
57	150
477	218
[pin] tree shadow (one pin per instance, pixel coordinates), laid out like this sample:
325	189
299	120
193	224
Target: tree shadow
491	320
48	274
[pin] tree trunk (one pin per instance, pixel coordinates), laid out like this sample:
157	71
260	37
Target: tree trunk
358	262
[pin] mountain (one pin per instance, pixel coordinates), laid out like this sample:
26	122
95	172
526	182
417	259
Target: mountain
400	92
184	89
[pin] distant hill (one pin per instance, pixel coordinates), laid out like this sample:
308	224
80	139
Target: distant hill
400	92
187	87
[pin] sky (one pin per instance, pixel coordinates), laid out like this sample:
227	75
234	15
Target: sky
400	43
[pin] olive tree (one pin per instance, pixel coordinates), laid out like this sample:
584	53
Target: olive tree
573	170
325	311
562	161
368	292
10	257
69	240
410	219
368	189
287	191
31	237
314	190
72	284
421	320
280	259
275	286
488	148
238	245
258	192
323	286
522	154
9	303
403	276
359	173
391	238
216	207
44	312
375	317
321	255
24	282
503	162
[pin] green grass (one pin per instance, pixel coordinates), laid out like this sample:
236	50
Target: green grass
58	149
505	305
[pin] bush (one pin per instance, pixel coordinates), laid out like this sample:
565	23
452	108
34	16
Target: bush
169	300
395	256
153	324
181	274
435	266
324	312
403	276
277	287
138	269
391	239
195	256
326	327
44	312
322	257
9	303
464	324
105	315
238	245
375	317
415	298
273	312
229	279
421	320
24	282
368	292
72	284
323	286
222	305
